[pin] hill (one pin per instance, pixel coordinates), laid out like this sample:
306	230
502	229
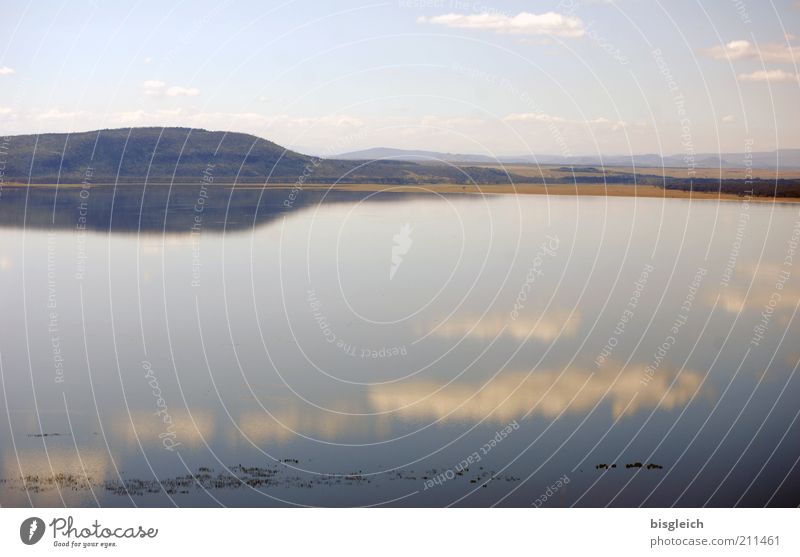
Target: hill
167	155
192	156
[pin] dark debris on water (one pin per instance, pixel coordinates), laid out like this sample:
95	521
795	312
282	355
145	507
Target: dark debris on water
234	477
637	464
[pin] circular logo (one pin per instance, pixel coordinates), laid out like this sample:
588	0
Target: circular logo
31	530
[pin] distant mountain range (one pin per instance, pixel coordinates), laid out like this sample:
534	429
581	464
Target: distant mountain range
168	155
195	156
386	153
783	158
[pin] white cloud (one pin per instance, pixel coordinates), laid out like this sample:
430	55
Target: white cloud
140	117
176	91
5	70
600	122
775	76
148	60
525	23
333	121
251	122
532	117
133	117
153	87
280	127
56	114
728	119
745	50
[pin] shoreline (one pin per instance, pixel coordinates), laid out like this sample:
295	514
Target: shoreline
583	190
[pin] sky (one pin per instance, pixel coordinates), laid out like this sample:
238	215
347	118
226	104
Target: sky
570	77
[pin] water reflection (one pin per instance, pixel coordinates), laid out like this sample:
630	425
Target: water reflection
544	327
180	427
261	427
47	465
139	208
228	330
517	395
55	476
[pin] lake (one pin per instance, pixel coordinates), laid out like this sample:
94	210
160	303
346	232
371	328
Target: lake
197	346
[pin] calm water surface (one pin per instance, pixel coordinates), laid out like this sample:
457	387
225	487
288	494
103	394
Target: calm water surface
207	347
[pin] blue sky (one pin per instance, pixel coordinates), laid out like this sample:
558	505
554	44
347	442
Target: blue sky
546	77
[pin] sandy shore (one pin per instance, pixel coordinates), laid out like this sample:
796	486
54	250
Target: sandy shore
595	190
581	189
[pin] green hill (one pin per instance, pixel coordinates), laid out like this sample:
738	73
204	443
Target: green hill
182	155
